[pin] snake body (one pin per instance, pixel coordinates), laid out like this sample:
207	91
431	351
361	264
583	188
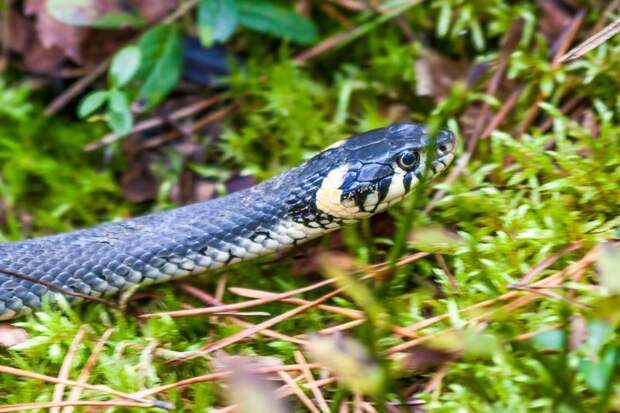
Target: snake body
348	181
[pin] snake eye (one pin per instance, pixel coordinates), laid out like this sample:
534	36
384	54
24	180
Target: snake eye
409	160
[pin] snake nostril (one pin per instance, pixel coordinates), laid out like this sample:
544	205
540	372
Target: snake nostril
442	148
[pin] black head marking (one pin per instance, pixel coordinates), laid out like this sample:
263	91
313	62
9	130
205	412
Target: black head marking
368	171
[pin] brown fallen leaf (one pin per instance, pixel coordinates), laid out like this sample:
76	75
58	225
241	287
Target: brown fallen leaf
11	335
436	74
423	359
21	31
54	34
41	60
204	190
3	212
138	183
349	360
101	44
248	391
154	11
578	331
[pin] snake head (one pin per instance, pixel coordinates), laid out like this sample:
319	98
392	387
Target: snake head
378	168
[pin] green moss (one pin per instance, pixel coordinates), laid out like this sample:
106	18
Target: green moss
520	199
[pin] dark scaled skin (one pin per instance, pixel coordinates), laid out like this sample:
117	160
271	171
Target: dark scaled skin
271	216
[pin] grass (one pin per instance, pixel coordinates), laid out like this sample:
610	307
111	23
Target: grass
539	182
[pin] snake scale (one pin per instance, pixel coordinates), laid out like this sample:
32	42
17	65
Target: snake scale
348	181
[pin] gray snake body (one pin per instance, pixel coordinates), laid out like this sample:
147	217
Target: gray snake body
346	182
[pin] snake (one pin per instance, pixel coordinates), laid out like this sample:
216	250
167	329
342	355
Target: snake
348	181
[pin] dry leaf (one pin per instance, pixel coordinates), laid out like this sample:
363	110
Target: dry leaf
3	211
21	31
11	335
423	359
349	361
53	33
154	11
42	60
436	74
251	392
204	190
578	331
138	183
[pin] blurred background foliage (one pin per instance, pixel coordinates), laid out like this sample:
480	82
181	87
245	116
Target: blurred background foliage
112	109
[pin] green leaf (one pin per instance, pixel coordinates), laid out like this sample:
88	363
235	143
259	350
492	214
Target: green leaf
550	340
266	17
124	65
161	49
598	333
609	267
351	362
87	13
217	20
120	122
435	239
598	373
445	17
119	113
92	102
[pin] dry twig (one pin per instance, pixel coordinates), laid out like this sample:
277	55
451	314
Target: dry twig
75	393
301	360
268	323
65	368
157	121
201	295
216	377
298	392
52	405
592	42
42	377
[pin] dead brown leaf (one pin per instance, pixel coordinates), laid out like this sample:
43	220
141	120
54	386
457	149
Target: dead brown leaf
138	183
154	11
251	392
42	60
11	335
436	74
578	331
3	211
204	190
424	358
54	34
100	44
23	39
21	31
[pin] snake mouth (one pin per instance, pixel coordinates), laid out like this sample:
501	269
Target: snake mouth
378	176
445	150
440	164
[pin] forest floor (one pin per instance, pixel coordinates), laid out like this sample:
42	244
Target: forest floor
503	295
